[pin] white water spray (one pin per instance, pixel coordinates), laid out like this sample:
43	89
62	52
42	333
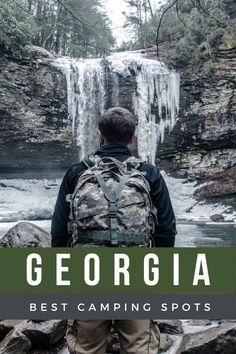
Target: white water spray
86	99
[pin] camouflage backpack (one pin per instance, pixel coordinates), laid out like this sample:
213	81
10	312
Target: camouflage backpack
111	205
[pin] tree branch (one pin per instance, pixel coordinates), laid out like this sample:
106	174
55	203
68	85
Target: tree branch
179	17
203	11
160	22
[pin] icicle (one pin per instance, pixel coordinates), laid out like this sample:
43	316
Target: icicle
156	101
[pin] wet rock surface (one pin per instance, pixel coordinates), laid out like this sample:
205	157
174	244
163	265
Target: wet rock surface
25	234
47	332
6	326
220	184
165	343
15	343
217	218
220	340
170	326
41	337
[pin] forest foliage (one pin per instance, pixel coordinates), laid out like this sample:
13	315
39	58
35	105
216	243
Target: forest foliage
194	29
77	28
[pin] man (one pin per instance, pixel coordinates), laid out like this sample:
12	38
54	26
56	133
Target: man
116	133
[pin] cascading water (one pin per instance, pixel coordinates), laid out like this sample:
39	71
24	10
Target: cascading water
155	101
86	99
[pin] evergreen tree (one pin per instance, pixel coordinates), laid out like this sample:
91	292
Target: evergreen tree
194	29
16	25
77	28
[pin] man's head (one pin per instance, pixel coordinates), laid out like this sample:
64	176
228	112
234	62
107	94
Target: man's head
117	126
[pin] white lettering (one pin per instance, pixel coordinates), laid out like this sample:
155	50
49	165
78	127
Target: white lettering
92	258
60	269
118	269
37	270
201	263
154	270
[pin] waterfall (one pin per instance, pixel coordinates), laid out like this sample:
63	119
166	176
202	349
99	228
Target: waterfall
86	99
155	101
154	97
163	90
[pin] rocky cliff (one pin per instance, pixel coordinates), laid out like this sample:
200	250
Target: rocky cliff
204	139
203	142
33	110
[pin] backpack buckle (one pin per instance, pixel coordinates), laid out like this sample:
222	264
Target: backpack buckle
112	210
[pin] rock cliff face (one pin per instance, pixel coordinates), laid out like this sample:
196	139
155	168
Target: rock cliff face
203	140
33	111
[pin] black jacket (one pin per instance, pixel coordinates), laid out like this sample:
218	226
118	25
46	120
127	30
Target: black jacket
166	229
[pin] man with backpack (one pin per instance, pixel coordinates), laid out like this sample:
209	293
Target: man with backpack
113	199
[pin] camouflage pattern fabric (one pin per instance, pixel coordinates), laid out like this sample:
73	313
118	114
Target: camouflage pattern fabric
90	207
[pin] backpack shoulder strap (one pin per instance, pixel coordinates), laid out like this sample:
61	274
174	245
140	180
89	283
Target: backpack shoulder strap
88	163
133	162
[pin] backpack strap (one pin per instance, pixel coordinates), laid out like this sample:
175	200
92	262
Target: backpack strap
112	197
101	181
113	206
131	163
88	163
121	166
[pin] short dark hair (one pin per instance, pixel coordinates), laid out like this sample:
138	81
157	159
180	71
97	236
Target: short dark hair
117	125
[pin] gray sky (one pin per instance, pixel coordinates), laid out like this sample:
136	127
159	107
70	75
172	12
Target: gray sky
114	9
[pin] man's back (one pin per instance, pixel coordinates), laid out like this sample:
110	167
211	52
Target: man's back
165	230
117	131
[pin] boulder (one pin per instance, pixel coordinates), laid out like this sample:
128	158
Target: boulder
15	343
170	326
217	340
43	334
217	217
6	326
25	234
165	343
219	185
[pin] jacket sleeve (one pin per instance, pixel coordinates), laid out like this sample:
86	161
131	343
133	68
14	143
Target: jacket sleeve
166	228
59	232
